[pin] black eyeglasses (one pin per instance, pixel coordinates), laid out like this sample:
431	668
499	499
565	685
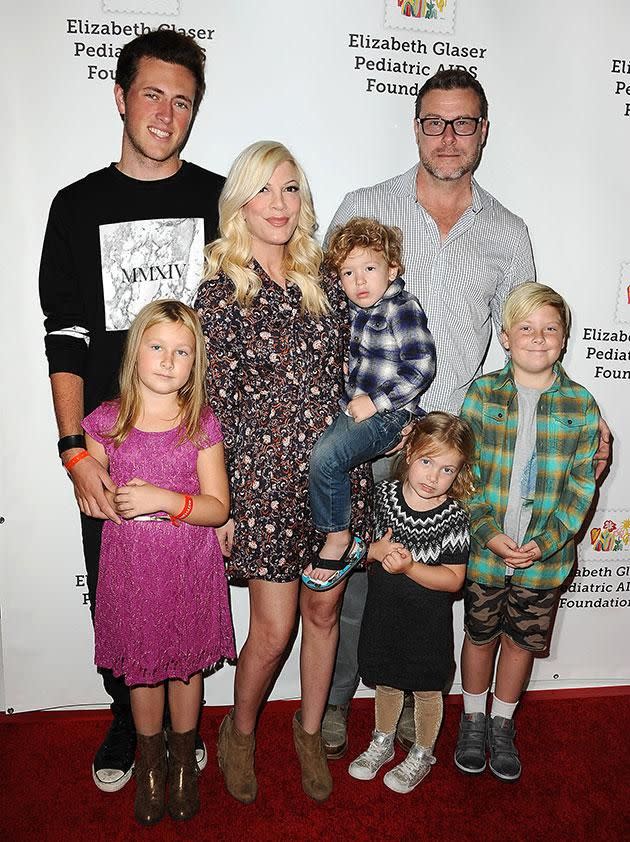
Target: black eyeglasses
434	126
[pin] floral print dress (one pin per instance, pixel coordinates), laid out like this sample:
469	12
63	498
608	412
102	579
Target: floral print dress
274	381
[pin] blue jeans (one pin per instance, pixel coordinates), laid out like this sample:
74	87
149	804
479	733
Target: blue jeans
343	446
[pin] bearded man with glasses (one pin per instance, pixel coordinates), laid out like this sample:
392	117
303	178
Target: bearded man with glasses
463	252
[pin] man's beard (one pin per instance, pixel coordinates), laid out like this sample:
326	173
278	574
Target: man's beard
468	164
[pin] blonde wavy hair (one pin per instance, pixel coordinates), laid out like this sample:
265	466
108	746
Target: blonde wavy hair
192	395
232	253
430	434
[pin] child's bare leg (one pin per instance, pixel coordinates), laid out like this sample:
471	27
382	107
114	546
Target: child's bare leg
147	706
477	663
184	700
513	669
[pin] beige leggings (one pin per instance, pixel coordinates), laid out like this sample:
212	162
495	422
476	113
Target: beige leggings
427	713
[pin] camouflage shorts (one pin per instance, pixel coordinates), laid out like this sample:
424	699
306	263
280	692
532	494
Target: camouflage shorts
523	614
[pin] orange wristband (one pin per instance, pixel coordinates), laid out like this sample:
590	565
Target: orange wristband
76	458
186	510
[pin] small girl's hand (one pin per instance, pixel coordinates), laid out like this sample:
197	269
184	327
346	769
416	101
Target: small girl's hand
397	561
138	497
379	549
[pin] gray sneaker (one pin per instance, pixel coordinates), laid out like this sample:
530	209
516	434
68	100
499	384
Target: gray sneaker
335	731
414	768
504	759
378	753
406	730
470	752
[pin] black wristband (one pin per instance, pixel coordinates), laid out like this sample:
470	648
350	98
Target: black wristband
68	442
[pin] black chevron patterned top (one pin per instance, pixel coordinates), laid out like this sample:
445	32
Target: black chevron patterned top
439	536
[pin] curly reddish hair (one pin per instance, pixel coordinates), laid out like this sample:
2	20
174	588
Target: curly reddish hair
364	233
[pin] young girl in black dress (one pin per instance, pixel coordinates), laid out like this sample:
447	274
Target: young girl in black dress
418	563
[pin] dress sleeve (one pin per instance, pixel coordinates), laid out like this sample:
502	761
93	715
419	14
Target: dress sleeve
456	538
211	429
219	323
99	422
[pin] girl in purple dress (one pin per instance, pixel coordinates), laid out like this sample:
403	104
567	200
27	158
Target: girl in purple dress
162	613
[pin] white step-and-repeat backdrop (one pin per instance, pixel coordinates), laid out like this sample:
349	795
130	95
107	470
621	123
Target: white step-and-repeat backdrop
336	82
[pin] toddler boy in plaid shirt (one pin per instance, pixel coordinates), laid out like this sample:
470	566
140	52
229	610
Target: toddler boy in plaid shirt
536	433
391	361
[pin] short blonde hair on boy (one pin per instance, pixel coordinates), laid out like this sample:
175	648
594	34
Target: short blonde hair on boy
364	233
526	298
430	434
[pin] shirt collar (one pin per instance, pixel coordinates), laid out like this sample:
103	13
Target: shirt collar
405	185
506	378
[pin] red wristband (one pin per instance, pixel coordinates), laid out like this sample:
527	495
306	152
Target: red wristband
76	458
186	510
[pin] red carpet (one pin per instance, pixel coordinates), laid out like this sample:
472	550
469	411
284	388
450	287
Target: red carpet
575	784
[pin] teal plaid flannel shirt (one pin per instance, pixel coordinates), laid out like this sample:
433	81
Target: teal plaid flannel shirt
566	441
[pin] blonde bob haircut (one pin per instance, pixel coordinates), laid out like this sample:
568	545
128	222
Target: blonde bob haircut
191	397
432	433
232	253
526	298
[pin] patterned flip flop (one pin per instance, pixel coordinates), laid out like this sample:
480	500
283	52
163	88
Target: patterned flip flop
353	554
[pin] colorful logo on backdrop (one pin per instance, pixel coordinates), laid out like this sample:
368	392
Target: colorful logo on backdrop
611	537
424	15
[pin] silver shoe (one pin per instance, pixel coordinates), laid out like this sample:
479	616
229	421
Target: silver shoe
378	753
414	768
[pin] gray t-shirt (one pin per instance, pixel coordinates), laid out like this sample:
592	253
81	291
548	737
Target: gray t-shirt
524	468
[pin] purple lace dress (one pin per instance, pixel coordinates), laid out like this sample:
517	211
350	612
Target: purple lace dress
162	599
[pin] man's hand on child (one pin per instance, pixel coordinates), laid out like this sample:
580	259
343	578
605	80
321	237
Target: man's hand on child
361	408
137	497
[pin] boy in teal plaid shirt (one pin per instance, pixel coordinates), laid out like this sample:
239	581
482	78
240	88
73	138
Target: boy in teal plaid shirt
536	433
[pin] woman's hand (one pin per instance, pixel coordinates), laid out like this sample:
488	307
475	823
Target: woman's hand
225	534
138	497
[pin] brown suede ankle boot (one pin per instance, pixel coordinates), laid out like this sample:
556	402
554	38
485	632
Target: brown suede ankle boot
183	792
150	774
316	778
235	752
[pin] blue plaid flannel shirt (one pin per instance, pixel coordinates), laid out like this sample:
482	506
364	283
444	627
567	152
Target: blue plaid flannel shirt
391	352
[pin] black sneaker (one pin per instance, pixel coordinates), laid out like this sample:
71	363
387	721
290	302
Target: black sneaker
470	752
504	759
113	762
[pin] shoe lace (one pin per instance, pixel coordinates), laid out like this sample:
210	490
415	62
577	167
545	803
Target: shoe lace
374	752
416	761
